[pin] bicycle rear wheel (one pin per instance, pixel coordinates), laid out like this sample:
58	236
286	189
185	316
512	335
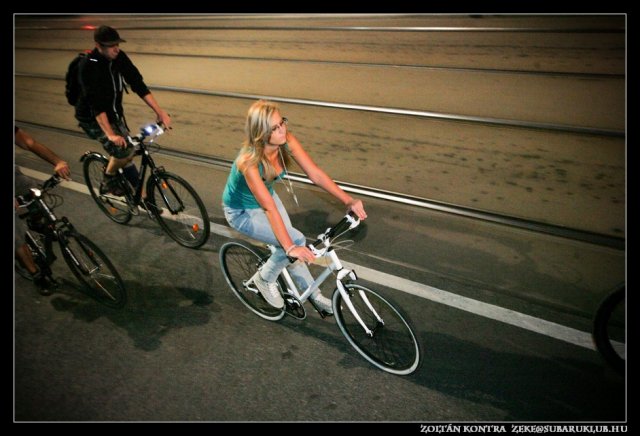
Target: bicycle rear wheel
178	209
609	329
94	270
116	208
393	346
239	263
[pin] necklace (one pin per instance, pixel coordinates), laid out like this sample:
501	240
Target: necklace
286	174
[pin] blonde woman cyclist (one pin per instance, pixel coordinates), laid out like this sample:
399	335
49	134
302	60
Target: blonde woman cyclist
252	207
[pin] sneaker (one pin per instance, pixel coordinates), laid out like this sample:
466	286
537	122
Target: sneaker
43	283
110	185
323	303
269	291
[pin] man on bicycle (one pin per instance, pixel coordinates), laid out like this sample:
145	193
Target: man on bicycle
99	111
22	185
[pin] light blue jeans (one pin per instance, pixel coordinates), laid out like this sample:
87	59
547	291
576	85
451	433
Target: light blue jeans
255	224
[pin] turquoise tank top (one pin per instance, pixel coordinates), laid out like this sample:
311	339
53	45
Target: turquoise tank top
237	194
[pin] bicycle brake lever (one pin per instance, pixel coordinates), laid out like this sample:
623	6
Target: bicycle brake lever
51	182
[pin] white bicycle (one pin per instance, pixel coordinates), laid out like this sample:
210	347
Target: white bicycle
371	324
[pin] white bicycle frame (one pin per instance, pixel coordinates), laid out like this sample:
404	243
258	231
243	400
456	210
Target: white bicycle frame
334	265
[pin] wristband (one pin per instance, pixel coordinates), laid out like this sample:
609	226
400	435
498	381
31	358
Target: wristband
289	249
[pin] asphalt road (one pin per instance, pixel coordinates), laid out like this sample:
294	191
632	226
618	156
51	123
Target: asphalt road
185	349
503	314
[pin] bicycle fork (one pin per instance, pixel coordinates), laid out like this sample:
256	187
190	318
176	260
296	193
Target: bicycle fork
347	299
162	185
342	274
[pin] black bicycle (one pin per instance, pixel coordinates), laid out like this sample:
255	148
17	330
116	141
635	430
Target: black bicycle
170	199
88	263
609	329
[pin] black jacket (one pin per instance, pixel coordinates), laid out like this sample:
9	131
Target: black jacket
101	81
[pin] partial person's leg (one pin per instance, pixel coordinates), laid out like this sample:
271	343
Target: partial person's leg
22	251
255	224
23	255
299	270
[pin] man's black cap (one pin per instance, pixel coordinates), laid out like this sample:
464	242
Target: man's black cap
107	36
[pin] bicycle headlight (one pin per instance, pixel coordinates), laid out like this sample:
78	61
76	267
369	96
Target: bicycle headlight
36	193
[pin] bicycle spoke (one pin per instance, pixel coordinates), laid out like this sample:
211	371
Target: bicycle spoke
93	269
392	345
239	264
116	208
179	211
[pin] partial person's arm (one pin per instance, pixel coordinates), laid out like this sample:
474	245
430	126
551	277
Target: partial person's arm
103	121
25	141
162	115
133	77
320	178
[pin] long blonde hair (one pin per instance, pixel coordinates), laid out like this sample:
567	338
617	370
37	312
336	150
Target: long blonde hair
258	132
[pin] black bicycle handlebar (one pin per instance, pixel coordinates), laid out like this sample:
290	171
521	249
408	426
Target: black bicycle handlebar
51	182
342	226
46	185
147	130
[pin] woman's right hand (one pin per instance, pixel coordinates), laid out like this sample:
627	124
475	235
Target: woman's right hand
302	253
357	207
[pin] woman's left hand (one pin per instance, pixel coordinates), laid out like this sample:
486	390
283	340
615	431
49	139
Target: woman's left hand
357	207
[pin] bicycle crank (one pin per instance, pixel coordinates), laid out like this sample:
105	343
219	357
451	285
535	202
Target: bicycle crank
293	306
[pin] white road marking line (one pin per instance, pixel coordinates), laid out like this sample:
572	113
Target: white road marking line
508	316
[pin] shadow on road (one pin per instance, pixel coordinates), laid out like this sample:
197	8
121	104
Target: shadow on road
506	381
150	313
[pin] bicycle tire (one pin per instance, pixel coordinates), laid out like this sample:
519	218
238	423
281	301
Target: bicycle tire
393	347
94	270
239	263
609	329
116	208
178	209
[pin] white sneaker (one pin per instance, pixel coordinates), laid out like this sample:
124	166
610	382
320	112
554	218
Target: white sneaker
323	302
269	291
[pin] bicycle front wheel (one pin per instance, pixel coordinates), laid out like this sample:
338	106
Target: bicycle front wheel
94	270
178	209
239	263
609	329
116	208
391	344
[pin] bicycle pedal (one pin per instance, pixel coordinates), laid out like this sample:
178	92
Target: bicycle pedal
133	209
323	313
148	207
251	288
293	307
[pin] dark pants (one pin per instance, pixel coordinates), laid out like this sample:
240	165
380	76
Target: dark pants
93	131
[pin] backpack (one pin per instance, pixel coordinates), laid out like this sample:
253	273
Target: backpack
72	79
